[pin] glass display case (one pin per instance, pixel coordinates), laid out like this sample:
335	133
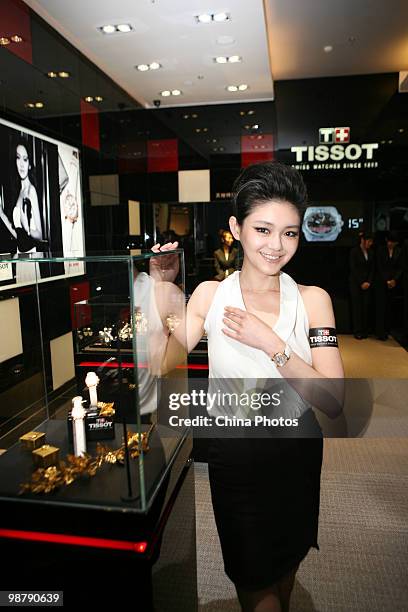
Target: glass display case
81	373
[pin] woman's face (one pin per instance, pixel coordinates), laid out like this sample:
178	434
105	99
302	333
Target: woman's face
227	239
22	161
269	235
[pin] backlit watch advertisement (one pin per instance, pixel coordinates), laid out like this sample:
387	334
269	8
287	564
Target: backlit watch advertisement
322	224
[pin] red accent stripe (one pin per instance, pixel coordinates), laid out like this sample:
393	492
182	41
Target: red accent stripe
128	364
72	540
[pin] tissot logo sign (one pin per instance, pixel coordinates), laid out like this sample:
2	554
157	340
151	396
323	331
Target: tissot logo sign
335	151
332	135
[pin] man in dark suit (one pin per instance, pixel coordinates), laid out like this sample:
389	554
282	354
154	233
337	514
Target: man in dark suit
361	281
388	273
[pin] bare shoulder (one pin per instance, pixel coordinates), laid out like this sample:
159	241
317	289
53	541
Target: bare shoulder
313	294
205	291
32	193
202	296
318	305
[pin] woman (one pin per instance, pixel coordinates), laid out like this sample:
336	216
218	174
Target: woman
226	257
260	324
25	227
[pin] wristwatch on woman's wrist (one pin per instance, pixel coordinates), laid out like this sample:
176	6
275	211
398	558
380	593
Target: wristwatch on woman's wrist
282	357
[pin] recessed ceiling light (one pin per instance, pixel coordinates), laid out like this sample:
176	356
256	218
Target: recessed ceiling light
251	112
231	60
52	75
219	17
198	130
29	104
165	93
108	29
208	17
175	92
390	142
328	49
194	116
154	66
204	18
98	99
88	98
255	127
39	105
186	116
242	87
142	67
16	38
64	74
4	41
124	27
400	130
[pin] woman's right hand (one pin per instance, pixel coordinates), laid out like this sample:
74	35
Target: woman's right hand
166	267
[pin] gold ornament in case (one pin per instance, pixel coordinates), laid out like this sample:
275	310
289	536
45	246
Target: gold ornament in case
46	456
32	440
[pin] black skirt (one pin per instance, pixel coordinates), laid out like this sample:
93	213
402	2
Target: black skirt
265	495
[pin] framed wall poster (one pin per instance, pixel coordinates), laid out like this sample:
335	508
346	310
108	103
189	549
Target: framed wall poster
41	214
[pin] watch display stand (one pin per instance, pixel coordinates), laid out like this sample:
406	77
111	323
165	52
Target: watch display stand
80	506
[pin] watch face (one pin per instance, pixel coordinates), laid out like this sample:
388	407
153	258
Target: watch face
322	223
280	359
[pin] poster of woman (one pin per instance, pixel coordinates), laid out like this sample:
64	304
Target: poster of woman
40	205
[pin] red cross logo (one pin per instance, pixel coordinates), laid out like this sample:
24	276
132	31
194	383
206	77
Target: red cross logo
342	134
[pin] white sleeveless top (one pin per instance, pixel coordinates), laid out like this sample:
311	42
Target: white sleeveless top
231	359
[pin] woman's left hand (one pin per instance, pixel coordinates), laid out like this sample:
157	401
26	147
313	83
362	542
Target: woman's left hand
249	329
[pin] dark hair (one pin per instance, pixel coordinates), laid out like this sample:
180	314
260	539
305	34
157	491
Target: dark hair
392	237
266	181
366	235
168	235
23	141
223	231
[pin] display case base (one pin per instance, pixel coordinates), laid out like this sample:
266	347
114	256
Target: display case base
162	577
